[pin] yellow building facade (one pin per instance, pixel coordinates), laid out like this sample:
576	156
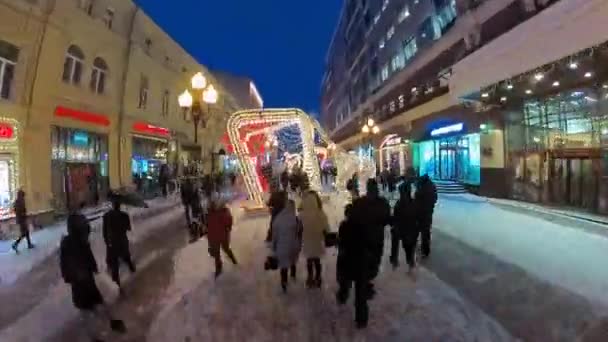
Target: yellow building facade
89	100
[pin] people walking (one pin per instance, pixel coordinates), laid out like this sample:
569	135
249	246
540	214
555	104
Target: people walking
405	227
163	179
315	225
354	264
78	268
287	241
425	200
116	225
219	226
21	218
276	203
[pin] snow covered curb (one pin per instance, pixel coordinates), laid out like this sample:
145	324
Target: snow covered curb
47	240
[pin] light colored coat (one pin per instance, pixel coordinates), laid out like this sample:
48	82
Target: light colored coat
315	225
286	244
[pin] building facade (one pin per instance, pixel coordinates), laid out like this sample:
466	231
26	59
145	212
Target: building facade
411	94
79	116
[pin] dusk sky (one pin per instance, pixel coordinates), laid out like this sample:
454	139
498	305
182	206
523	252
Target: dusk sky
281	44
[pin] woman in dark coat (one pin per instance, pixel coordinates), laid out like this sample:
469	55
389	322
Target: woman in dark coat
218	234
21	218
405	227
78	268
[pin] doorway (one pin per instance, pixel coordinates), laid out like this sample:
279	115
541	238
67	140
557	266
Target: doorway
574	182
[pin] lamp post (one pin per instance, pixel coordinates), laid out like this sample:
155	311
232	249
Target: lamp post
368	129
203	93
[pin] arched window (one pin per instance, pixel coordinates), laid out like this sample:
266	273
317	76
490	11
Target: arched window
8	59
72	67
98	76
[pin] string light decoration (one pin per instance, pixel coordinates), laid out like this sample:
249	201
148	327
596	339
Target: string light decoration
11	145
244	126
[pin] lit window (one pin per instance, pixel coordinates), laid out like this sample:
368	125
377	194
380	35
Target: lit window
401	101
8	59
98	76
144	87
381	44
166	99
398	62
384	73
410	48
405	12
392	107
390	33
109	17
385	5
73	64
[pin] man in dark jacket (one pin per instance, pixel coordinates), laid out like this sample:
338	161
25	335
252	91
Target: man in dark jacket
355	256
405	227
426	198
78	268
21	218
116	224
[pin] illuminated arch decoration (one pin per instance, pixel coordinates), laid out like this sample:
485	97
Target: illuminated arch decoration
250	130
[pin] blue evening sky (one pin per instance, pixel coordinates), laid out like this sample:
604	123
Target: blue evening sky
281	44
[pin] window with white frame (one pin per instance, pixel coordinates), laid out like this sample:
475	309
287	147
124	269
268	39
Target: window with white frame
398	61
390	33
109	17
165	109
384	73
144	88
8	59
98	76
410	48
73	65
405	12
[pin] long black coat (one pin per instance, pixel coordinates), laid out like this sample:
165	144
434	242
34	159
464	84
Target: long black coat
355	252
116	224
371	214
78	267
405	219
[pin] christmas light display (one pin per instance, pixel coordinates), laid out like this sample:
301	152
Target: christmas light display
251	132
11	145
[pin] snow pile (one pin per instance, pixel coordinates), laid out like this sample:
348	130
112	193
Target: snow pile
246	303
564	256
47	241
50	315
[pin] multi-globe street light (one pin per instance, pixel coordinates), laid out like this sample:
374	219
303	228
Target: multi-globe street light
204	92
368	129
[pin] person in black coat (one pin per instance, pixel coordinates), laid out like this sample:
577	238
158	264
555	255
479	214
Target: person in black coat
78	268
425	200
116	224
355	256
21	218
276	203
405	227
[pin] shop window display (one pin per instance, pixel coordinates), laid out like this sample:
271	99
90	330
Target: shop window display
453	158
149	155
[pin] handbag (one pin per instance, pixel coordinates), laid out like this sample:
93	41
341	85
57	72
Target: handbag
331	239
271	263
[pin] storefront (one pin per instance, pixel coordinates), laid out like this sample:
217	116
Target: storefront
452	154
79	167
394	154
9	165
150	150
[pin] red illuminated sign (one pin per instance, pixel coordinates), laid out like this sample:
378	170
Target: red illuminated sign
144	127
93	118
6	131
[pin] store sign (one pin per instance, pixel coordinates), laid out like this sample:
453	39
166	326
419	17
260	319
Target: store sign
393	141
144	127
93	118
80	138
6	131
447	129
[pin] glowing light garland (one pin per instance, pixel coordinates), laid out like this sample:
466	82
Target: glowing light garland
273	120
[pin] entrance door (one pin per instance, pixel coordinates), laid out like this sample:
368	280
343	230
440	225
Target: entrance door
447	165
574	183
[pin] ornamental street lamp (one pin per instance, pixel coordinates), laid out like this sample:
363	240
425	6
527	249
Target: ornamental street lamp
368	129
203	93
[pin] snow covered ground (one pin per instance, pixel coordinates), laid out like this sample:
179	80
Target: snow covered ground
560	254
12	266
246	303
56	309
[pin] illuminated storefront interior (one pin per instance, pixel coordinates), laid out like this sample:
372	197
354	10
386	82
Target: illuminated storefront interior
393	154
449	155
9	165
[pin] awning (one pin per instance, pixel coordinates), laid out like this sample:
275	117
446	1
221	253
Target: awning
563	29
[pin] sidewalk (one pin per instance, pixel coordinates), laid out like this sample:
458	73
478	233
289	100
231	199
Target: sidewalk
47	240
